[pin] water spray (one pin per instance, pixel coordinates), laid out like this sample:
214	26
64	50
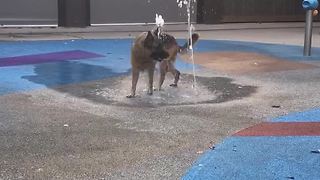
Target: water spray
160	24
188	3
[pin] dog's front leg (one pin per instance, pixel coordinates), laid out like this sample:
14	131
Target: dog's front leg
150	74
135	77
163	70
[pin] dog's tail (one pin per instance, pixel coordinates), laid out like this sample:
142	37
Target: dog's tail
194	38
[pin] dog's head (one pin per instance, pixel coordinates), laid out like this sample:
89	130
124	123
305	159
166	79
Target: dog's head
156	46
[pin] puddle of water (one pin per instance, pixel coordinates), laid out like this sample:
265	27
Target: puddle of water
183	94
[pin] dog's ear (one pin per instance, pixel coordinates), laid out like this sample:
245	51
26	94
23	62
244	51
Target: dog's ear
149	40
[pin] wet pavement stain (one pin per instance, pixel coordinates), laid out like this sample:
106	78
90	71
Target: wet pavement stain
54	74
112	91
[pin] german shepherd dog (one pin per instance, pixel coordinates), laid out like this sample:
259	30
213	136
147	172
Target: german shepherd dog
145	52
150	47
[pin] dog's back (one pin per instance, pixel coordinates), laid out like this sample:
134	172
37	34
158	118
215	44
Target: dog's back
173	48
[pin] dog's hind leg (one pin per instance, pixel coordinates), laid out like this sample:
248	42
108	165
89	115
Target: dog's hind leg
175	73
135	77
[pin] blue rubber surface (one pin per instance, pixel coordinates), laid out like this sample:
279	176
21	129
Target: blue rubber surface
263	158
288	157
35	76
115	62
312	115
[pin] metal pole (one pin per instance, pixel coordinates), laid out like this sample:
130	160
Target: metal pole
308	34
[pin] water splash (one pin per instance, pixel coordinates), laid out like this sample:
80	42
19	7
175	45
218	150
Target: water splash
189	7
160	24
159	20
168	96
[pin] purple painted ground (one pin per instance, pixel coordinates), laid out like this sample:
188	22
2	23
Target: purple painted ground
47	57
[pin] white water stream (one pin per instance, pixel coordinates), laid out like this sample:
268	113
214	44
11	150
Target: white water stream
189	6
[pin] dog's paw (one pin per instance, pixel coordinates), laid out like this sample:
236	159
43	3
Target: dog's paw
150	93
131	96
174	85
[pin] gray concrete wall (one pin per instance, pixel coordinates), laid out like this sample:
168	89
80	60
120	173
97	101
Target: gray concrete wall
39	12
28	12
137	11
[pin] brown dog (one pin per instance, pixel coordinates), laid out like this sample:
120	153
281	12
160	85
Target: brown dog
168	65
150	47
146	50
